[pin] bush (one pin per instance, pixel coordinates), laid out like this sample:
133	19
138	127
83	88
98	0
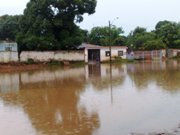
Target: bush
30	61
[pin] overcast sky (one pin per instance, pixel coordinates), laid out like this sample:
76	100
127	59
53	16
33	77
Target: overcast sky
131	13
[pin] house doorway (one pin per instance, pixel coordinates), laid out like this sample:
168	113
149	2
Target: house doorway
94	55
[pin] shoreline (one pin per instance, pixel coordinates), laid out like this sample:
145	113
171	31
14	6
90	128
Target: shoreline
18	67
25	66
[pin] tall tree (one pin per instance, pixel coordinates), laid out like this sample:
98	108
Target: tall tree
102	35
51	24
9	27
169	33
140	39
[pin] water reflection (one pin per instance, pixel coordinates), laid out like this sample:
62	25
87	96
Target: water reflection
165	74
91	100
103	76
9	82
50	99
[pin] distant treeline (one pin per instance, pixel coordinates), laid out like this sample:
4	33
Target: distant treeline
165	35
52	25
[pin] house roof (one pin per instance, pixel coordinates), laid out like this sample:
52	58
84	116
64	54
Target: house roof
7	43
91	46
84	45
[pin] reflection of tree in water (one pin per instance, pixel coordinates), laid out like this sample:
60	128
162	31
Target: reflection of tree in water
54	109
102	76
167	77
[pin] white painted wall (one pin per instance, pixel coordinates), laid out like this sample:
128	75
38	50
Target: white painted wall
86	55
52	55
114	53
103	56
8	57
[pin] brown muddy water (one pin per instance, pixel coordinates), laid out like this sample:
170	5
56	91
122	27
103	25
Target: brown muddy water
92	100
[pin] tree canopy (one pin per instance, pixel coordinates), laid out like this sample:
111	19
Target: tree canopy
51	24
106	36
9	27
169	32
140	39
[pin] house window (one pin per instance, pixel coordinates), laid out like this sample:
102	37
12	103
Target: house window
107	53
8	49
120	53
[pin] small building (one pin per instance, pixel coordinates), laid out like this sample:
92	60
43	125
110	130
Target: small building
102	53
8	52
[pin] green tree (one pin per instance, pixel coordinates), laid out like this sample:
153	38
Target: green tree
51	24
9	27
169	33
140	39
101	36
154	44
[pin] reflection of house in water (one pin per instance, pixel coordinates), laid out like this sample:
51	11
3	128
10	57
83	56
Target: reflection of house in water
94	70
104	70
102	76
9	82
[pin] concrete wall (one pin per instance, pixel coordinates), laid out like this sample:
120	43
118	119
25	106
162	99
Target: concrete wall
52	55
8	57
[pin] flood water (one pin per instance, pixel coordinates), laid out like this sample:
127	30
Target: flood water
92	100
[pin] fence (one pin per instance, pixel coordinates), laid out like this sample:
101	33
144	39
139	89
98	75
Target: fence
148	55
173	53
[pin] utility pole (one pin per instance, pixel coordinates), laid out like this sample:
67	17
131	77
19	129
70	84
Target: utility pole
110	41
110	64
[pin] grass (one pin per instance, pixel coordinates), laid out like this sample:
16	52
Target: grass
66	63
119	60
77	63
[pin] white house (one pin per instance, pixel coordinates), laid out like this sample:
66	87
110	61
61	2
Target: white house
8	52
102	53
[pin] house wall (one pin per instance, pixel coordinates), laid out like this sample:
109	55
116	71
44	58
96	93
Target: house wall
86	55
114	53
103	56
4	45
52	55
8	57
8	52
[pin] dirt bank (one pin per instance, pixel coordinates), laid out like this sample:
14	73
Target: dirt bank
17	67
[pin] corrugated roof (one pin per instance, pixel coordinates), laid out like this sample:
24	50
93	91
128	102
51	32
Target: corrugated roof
84	45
